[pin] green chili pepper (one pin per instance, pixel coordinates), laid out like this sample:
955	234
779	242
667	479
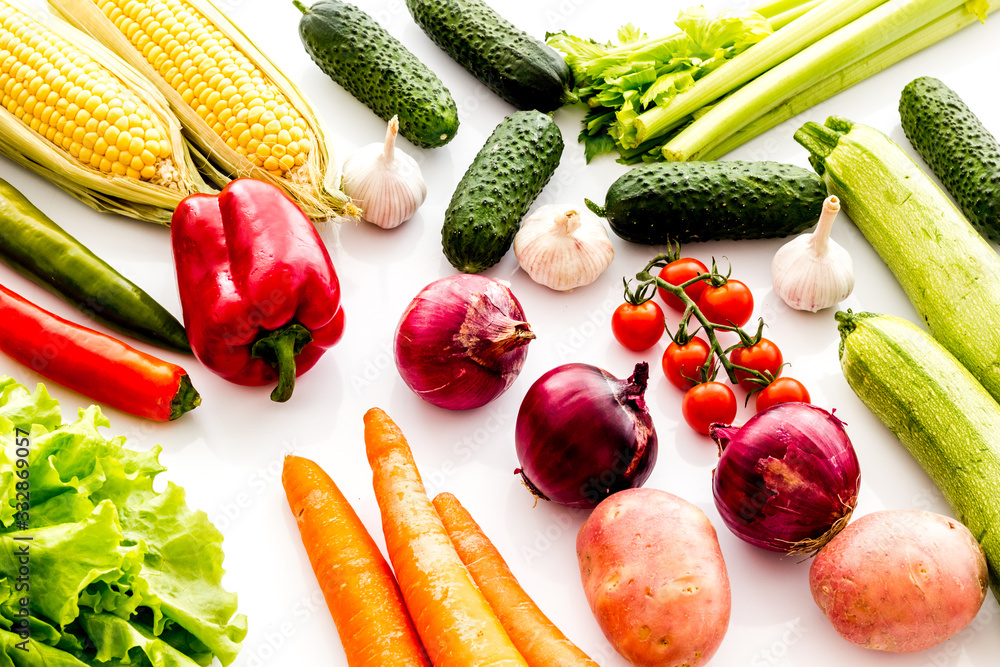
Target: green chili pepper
39	249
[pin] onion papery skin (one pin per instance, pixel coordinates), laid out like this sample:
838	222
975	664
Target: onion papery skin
788	479
583	434
462	341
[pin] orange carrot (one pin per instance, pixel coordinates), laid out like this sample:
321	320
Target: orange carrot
455	622
358	585
535	636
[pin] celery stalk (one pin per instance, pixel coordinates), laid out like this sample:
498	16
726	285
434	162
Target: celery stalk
779	21
784	11
853	43
785	43
775	7
846	77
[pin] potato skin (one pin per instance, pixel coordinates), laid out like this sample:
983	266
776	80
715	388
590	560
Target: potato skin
900	580
655	578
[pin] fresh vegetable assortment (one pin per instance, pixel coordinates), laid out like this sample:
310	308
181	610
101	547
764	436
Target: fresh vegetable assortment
262	302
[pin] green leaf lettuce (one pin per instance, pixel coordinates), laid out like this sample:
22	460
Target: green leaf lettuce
120	574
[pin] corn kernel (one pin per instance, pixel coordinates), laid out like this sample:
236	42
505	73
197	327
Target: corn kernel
123	141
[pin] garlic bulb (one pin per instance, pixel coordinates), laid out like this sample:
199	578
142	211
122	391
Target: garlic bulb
812	271
384	181
562	247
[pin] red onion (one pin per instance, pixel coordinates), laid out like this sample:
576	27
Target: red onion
583	434
788	479
462	341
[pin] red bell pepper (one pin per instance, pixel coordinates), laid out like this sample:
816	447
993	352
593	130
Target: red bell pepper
260	296
91	363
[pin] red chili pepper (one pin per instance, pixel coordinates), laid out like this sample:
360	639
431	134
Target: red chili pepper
92	363
260	296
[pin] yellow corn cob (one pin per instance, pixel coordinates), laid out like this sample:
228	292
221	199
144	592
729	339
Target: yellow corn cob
67	98
238	109
80	116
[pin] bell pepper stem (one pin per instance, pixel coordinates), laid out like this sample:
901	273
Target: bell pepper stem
279	348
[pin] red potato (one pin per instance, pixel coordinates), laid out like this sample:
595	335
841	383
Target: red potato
900	580
655	579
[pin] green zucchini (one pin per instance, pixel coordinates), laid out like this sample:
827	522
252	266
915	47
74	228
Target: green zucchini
521	69
950	273
682	202
372	65
497	189
956	146
937	409
32	244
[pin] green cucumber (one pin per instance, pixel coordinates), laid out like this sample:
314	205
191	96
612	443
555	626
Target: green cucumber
374	67
957	148
939	412
682	202
521	69
497	189
950	273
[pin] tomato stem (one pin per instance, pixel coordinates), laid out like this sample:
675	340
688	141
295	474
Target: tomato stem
646	279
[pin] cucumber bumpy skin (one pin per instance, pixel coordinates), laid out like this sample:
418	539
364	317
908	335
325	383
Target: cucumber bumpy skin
957	148
946	420
684	202
499	186
372	65
521	69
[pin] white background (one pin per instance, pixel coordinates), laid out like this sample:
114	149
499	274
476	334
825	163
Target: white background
228	452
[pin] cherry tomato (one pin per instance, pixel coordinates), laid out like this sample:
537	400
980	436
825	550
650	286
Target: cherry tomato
708	403
730	304
782	390
638	327
679	272
764	357
681	362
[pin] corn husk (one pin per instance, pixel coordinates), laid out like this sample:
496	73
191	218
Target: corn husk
315	189
105	192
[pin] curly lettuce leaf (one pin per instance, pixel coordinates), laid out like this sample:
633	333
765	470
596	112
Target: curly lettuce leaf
24	409
120	574
35	653
64	560
119	641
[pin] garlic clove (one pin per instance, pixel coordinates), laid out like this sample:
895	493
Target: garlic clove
812	271
563	247
384	181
